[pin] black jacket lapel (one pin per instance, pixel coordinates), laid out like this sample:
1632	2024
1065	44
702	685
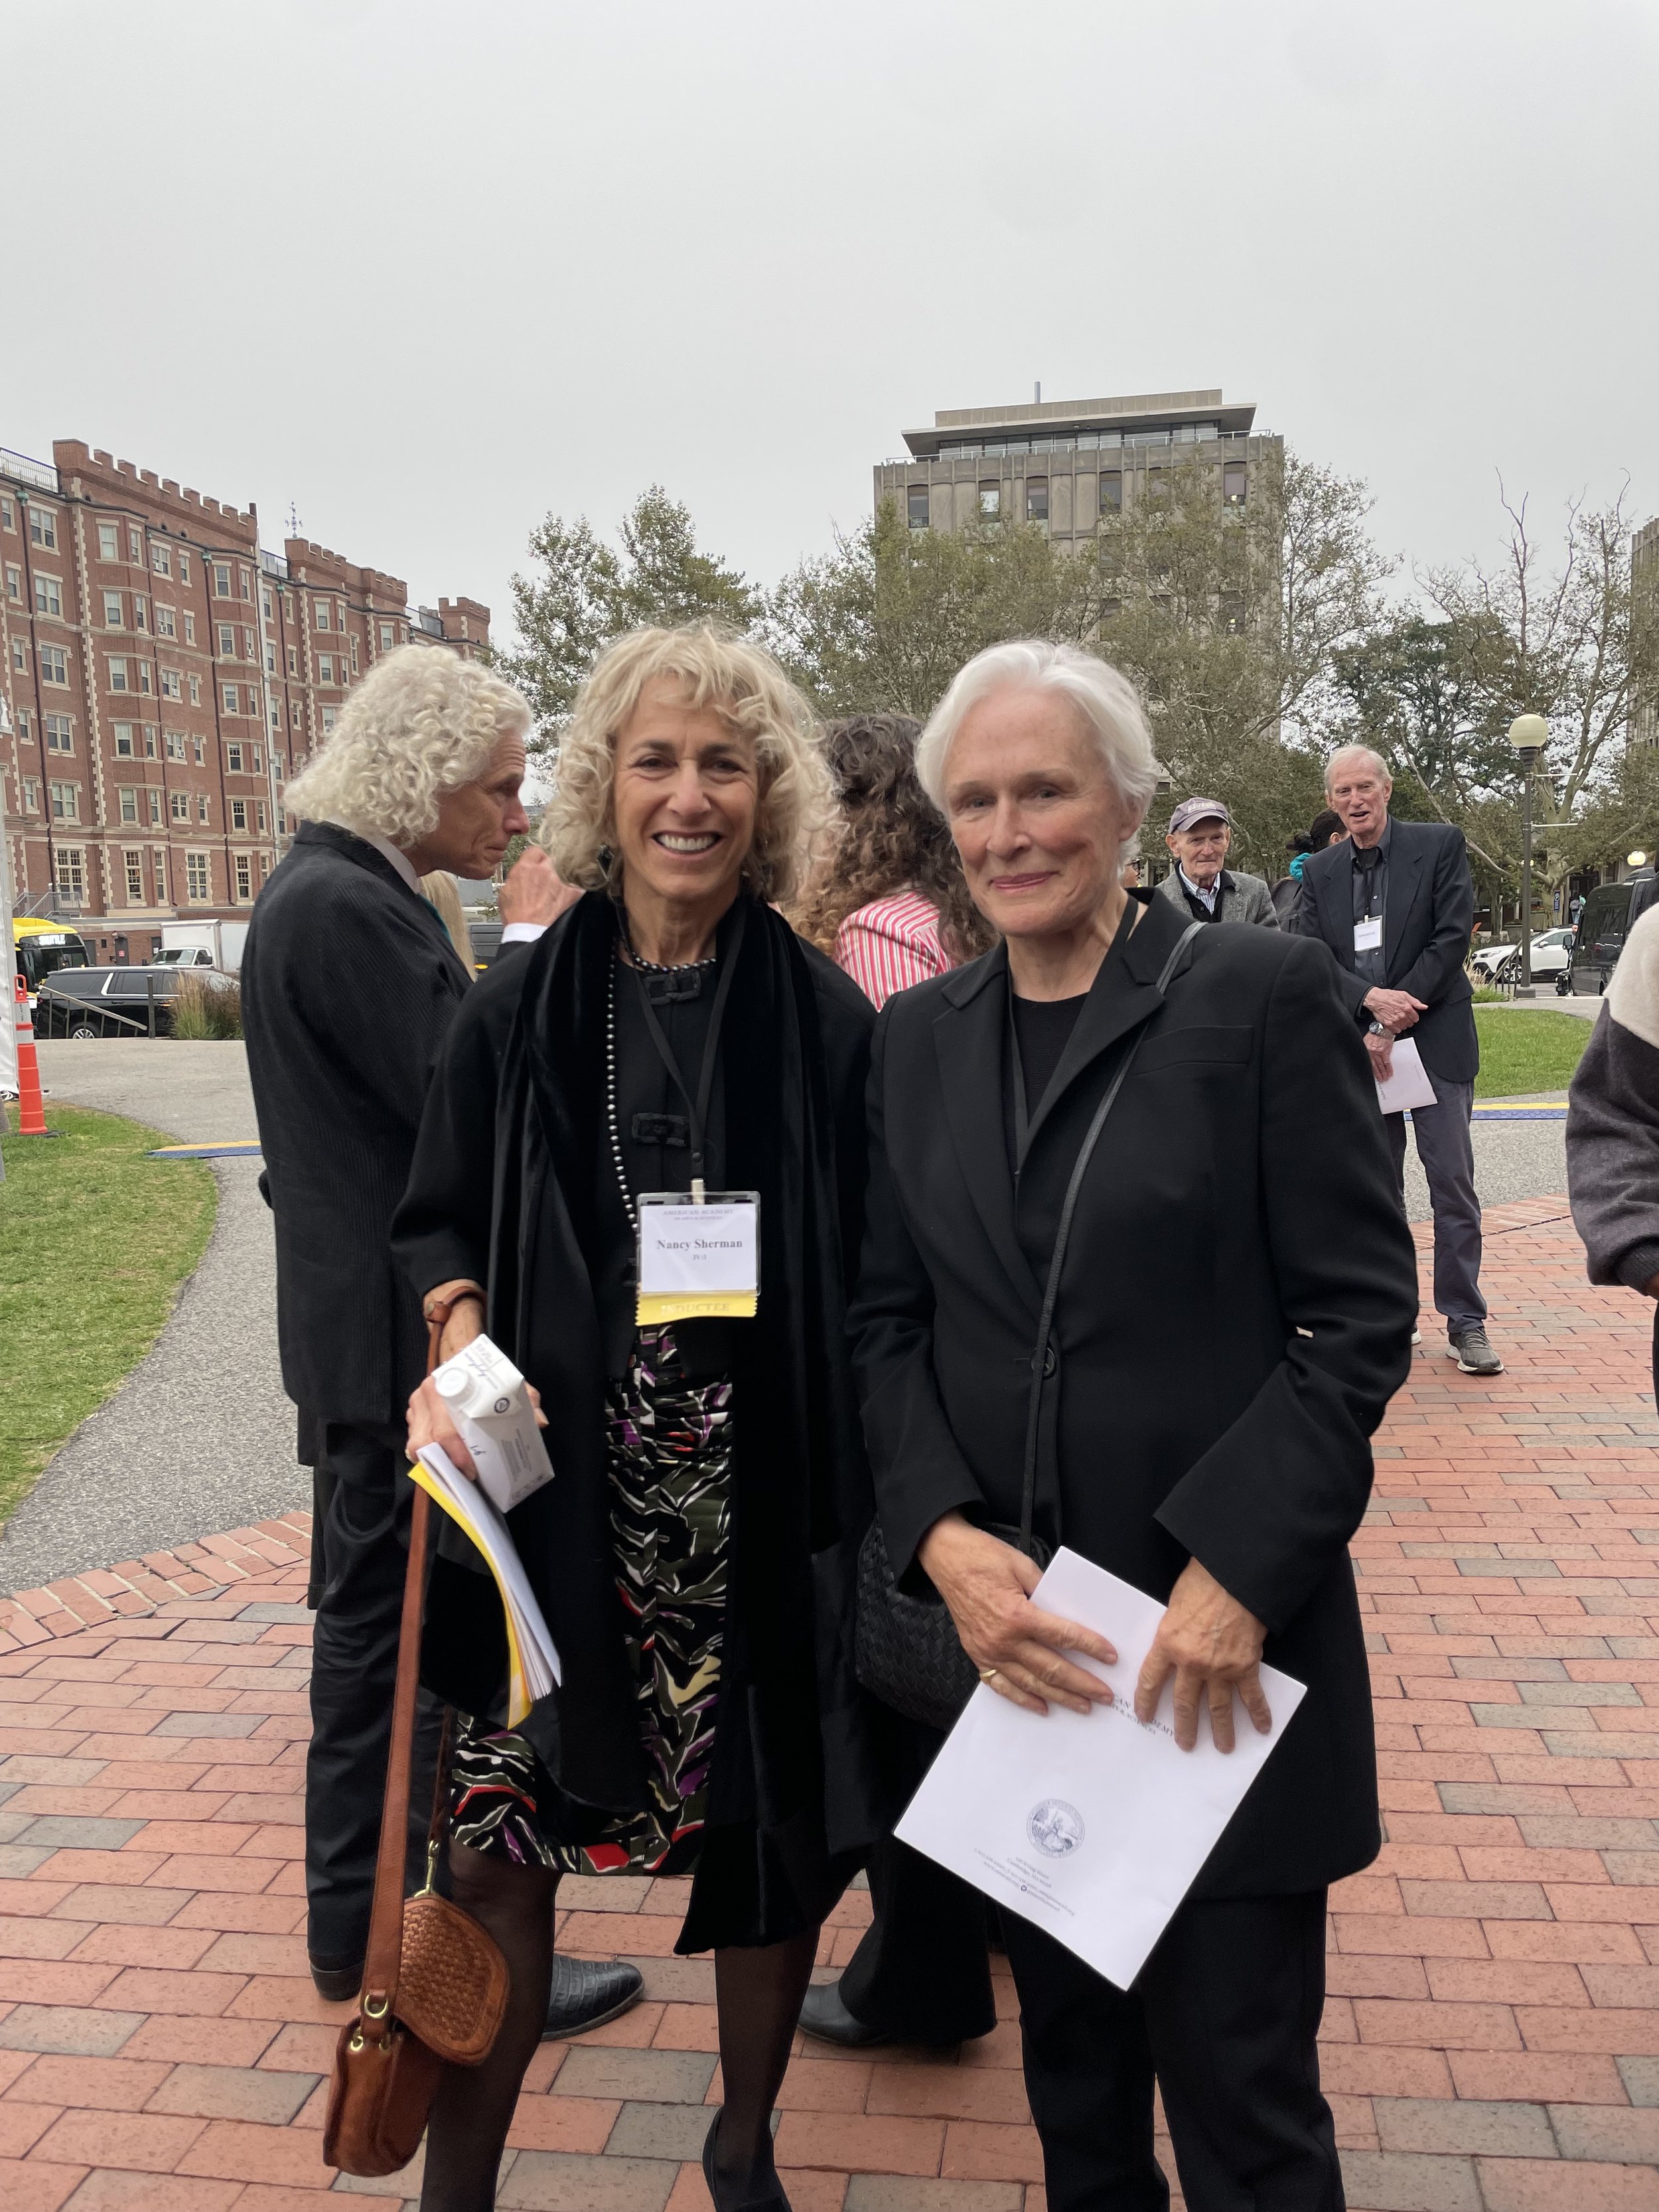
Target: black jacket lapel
1405	881
968	1040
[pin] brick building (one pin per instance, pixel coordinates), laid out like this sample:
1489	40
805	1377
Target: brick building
163	676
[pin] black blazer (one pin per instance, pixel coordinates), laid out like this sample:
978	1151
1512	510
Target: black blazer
349	983
1427	923
1241	1193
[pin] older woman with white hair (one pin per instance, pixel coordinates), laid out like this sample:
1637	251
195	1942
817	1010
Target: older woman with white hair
670	1039
1182	1390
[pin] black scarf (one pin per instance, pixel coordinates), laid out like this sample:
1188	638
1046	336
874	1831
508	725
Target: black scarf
800	1484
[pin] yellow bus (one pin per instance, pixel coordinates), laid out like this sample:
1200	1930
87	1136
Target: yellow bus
43	944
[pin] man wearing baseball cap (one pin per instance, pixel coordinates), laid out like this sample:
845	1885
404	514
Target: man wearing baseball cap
1200	830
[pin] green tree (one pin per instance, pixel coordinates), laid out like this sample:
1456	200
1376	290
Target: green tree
583	591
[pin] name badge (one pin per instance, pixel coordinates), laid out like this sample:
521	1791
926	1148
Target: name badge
698	1263
1368	935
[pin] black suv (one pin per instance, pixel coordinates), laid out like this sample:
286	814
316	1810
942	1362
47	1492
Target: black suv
98	1002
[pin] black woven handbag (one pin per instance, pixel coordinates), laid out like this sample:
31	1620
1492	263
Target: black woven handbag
906	1650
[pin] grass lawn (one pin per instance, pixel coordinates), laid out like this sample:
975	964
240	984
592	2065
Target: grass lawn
94	1241
1527	1050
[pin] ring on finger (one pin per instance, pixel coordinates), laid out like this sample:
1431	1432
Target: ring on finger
988	1674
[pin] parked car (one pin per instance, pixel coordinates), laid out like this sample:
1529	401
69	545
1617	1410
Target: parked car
1603	925
98	1002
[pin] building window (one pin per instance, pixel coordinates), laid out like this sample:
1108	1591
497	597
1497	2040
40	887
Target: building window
221	580
385	637
48	595
917	507
246	579
198	877
19	655
264	602
109	542
65	801
8	515
233	759
172	688
144	677
43	527
149	741
326	668
60	733
135	868
252	697
190	629
353	656
198	748
229	696
31	794
328	721
259	814
1036	499
248	651
117	676
135	545
72	872
239	814
319	613
54	664
1233	481
124	748
129	801
155	797
195	690
14	583
294	712
180	805
1111	491
140	615
227	641
184	565
158	870
112	611
990	502
244	876
271	658
166	622
254	759
23	736
294	661
161	559
175	745
201	806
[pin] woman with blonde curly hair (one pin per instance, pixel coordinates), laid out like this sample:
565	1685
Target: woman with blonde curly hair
890	903
671	1036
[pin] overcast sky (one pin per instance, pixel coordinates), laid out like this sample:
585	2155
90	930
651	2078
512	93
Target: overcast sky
428	271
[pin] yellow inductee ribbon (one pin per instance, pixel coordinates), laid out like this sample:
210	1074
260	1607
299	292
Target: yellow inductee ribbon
532	1662
699	1258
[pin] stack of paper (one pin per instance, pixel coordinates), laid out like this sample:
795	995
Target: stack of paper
1408	1082
533	1668
1092	1826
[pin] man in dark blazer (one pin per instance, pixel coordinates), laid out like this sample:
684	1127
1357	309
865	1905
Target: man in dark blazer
349	983
1395	904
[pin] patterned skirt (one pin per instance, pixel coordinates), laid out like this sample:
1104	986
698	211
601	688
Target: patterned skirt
669	1456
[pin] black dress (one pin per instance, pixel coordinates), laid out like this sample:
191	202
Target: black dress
694	1552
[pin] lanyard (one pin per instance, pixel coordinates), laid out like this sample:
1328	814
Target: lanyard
697	1108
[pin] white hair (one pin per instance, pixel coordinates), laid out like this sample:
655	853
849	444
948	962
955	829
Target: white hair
1107	704
1356	752
422	722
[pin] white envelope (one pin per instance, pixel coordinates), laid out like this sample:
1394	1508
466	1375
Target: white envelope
1409	1084
1094	1826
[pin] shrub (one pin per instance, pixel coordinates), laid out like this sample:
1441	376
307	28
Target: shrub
204	1010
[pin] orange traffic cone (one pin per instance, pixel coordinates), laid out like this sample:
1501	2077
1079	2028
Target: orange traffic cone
31	1107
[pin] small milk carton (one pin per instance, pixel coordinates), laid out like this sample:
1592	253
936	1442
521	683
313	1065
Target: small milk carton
488	1402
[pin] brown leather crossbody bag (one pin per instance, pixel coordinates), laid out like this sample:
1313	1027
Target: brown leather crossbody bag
435	1983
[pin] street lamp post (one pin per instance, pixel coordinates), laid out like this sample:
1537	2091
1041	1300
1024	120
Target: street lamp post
1528	734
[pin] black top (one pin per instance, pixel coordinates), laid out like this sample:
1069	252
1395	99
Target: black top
350	984
1042	1029
1236	1310
1371	901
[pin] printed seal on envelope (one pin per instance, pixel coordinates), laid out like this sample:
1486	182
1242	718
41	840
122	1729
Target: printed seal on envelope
1056	1827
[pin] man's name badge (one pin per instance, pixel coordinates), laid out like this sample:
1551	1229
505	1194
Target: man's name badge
698	1261
1368	935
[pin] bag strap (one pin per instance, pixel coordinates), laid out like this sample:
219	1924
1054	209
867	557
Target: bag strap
1062	1236
379	2002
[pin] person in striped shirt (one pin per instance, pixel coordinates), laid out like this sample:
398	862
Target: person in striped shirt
890	905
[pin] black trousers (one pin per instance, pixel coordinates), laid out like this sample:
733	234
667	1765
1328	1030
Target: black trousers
922	1972
1224	2016
365	1546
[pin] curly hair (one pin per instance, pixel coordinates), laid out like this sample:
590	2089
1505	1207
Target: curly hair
889	837
748	689
422	722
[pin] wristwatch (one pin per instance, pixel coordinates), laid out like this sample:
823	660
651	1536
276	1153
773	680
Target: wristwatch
1378	1029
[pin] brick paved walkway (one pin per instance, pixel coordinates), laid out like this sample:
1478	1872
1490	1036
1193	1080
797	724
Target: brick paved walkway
1492	2043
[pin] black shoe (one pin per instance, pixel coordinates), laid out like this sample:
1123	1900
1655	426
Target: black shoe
1473	1355
587	1992
335	1985
771	2199
823	2014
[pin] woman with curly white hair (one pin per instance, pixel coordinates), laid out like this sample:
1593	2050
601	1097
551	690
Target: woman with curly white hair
671	1038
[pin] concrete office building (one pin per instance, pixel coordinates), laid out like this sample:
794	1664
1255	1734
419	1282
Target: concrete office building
1064	463
162	676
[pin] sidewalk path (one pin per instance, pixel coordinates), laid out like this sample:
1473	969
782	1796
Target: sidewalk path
1491	2041
200	1435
